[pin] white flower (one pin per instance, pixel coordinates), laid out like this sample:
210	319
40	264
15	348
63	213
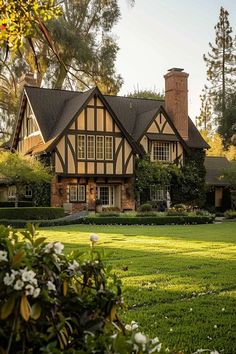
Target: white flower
140	338
171	329
51	286
190	309
128	327
223	309
214	352
94	238
36	292
19	284
74	266
27	275
3	256
29	290
58	247
9	279
134	325
215	326
156	349
48	247
155	340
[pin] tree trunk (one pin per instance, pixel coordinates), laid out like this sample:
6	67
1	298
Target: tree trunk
60	77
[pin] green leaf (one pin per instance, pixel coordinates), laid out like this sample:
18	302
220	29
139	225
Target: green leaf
17	258
36	311
39	241
8	307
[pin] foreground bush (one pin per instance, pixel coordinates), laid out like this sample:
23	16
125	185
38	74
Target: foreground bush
53	303
32	213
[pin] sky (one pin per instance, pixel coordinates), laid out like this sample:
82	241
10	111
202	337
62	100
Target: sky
156	35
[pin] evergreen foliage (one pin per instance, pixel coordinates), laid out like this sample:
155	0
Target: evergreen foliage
221	73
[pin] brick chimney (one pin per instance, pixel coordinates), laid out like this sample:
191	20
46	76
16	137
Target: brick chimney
176	99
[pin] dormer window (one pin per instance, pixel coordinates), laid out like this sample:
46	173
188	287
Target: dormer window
161	151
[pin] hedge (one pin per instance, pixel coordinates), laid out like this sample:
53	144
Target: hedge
149	220
23	203
33	213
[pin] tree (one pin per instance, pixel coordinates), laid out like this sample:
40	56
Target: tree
204	120
221	71
19	170
150	94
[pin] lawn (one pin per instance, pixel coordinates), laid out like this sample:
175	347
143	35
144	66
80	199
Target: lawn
179	282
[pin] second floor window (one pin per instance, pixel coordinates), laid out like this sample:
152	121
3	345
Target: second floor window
108	148
100	147
160	151
90	147
81	146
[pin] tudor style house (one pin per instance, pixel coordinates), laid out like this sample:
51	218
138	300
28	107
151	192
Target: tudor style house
92	139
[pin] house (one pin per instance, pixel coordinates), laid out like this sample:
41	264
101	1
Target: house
218	194
92	140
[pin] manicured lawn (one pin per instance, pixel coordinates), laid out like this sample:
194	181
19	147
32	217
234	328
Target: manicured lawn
181	280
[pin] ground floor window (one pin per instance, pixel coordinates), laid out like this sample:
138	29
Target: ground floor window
77	193
11	192
158	193
106	195
28	192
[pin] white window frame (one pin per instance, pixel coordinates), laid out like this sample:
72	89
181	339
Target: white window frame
28	193
77	193
164	153
158	194
12	192
98	150
81	146
91	147
108	147
81	193
73	193
111	195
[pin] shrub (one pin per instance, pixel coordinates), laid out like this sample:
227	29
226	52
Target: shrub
53	303
143	214
149	220
230	214
109	213
33	213
145	207
175	212
9	204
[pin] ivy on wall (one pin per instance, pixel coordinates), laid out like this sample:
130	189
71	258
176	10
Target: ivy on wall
187	183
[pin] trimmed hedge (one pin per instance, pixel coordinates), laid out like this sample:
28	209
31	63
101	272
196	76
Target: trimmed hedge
33	213
149	220
23	203
230	214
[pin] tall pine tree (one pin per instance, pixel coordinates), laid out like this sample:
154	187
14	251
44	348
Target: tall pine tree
221	72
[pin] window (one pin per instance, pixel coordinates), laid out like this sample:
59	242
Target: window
158	194
31	125
106	195
90	147
12	192
108	147
100	147
81	146
160	151
81	193
28	192
73	193
77	193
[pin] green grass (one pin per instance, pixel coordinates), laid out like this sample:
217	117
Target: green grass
181	280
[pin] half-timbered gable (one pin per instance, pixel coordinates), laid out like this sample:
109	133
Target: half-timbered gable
28	131
94	144
161	140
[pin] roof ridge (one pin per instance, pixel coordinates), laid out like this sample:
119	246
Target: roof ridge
136	98
54	89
